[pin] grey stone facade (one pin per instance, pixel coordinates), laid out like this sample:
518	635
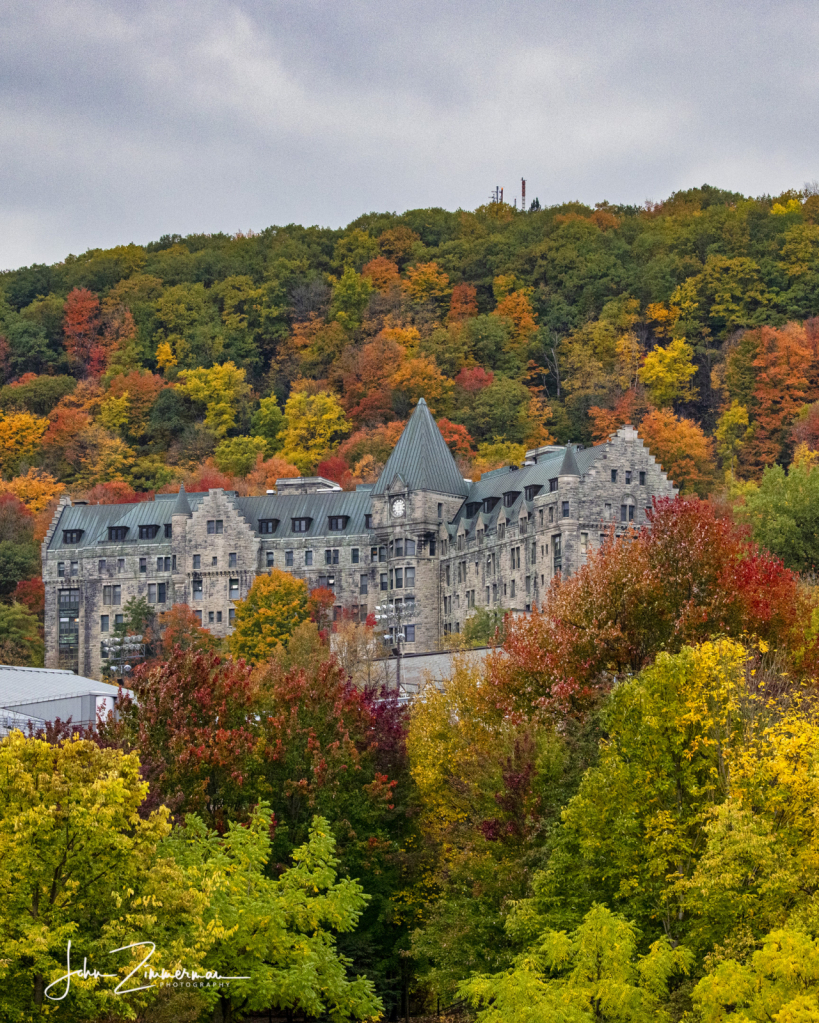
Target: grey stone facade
422	535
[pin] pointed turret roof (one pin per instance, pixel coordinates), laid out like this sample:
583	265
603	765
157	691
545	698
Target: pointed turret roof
180	505
568	467
422	459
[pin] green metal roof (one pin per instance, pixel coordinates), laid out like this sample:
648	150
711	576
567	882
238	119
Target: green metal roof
422	459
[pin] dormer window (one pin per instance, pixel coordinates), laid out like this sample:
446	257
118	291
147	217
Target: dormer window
72	535
117	533
489	503
337	523
473	508
531	492
300	525
148	532
553	485
268	525
510	497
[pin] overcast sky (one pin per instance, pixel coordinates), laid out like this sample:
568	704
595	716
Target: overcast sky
123	121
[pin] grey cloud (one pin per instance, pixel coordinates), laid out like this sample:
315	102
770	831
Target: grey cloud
125	120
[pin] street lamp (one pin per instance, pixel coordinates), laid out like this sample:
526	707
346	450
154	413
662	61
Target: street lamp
392	616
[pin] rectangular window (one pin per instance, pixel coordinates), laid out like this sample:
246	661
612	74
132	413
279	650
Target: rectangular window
362	583
215	526
151	593
540	513
197	562
156	593
432	546
148	532
584	543
231	615
553	485
72	535
232	560
337	523
446	575
75	569
528	585
607	511
104	620
211	617
120	565
233	589
168	564
197	588
301	525
218	617
268	525
368	522
513	588
382	553
214	561
410	548
117	532
61	570
354	555
487	594
173	562
642	479
288	559
270	559
198	616
331	556
613	475
565	509
110	594
409	633
399	547
628	475
409	576
623	512
159	563
168	530
440	511
119	620
631	513
101	565
501	530
399	579
383	581
551	513
373	554
308	558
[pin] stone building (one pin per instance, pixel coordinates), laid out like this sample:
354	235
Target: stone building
423	539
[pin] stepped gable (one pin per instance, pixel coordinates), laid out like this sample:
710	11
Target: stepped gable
422	459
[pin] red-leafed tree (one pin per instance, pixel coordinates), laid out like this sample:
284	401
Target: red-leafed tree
463	303
457	438
31	594
82	331
116	492
320	605
473	380
336	469
688	578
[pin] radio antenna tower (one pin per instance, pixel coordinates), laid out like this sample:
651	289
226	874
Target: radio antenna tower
523	194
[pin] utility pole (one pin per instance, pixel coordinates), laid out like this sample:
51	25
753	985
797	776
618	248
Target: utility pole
392	616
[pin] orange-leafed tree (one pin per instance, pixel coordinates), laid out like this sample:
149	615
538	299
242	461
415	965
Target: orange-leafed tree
142	389
82	331
464	303
320	605
180	628
382	272
682	449
784	364
420	378
457	437
116	492
365	380
397	243
262	477
427	282
517	308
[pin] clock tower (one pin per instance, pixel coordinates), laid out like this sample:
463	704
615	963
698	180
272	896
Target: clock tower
419	489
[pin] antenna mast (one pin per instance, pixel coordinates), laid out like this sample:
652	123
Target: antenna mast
523	194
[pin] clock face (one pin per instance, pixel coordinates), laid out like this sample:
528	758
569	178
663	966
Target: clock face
399	506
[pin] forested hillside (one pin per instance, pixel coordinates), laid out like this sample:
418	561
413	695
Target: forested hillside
234	360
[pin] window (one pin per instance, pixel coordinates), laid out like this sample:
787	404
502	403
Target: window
501	530
337	523
626	512
510	497
72	535
557	547
399	548
368	522
409	576
110	594
409	633
534	553
198	616
440	511
173	562
613	475
487	594
148	532
61	569
337	613
211	617
382	553
270	559
447	575
373	554
156	593
104	620
607	510
215	526
117	532
233	589
168	530
301	525
232	561
362	583
231	615
628	475
119	620
528	585
197	588
331	556
565	509
197	562
383	581
159	563
218	617
120	565
75	569
68	598
584	543
532	491
268	525
327	582
479	535
288	559
399	579
308	558
101	565
143	566
552	485
551	513
512	594
354	556
642	479
214	561
432	546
